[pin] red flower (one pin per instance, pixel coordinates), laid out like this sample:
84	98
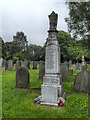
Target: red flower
61	104
60	101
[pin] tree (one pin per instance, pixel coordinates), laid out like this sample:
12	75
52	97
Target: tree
65	40
21	40
33	52
2	48
79	23
78	20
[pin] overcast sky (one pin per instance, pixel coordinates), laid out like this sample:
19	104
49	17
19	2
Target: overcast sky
31	17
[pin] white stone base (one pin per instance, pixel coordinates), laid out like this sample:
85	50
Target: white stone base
49	104
50	94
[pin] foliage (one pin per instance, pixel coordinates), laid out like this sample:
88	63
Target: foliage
2	48
79	25
78	20
65	41
21	40
33	52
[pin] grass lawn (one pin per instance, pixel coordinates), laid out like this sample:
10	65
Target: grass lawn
20	103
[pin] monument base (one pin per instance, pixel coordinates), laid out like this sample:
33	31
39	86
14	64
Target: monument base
49	104
51	93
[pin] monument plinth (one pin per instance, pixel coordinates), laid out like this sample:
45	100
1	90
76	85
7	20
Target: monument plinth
52	88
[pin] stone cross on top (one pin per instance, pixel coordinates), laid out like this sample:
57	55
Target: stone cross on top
53	17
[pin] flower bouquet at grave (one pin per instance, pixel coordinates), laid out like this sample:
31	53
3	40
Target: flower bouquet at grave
37	100
61	102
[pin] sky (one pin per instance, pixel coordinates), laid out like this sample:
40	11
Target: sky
31	17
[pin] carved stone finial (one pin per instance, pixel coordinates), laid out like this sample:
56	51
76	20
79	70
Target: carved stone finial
53	20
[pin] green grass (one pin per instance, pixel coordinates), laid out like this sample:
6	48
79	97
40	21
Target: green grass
20	103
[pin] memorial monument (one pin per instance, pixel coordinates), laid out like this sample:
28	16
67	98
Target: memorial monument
52	88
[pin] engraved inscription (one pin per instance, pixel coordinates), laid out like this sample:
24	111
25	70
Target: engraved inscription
51	57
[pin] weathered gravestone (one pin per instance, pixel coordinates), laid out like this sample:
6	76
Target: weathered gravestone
41	69
21	63
4	65
77	66
25	63
51	88
10	65
70	71
34	64
17	65
14	67
1	60
81	82
64	72
22	78
67	63
3	69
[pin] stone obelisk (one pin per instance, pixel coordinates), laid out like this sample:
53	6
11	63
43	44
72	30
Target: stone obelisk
52	88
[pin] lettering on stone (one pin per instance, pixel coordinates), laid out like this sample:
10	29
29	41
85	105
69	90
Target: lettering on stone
51	57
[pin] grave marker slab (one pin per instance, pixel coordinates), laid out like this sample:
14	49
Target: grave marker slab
77	66
64	72
17	65
41	69
22	78
10	65
81	82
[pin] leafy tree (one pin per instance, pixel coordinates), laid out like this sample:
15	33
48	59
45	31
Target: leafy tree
78	20
14	48
21	40
35	52
2	48
79	25
18	56
65	41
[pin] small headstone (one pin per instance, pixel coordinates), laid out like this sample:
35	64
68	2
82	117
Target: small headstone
17	65
70	71
77	66
3	69
14	67
67	63
1	60
81	82
25	63
6	66
70	65
10	65
21	63
64	72
22	78
3	63
34	64
41	69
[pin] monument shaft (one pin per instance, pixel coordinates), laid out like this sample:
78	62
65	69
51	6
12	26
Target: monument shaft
51	88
